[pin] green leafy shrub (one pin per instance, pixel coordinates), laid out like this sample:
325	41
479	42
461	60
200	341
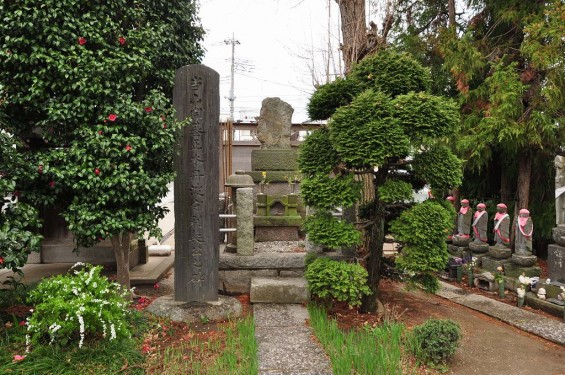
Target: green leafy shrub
317	153
422	230
331	96
439	167
424	116
436	340
391	72
330	279
328	231
329	192
69	307
395	191
365	132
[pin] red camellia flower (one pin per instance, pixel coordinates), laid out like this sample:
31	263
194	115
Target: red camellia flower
51	183
128	148
97	171
148	109
100	132
81	41
112	117
156	286
122	40
22	323
40	168
164	126
1	260
162	118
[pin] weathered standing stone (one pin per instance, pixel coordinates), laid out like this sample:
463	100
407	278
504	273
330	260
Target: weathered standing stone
245	242
556	263
273	124
196	95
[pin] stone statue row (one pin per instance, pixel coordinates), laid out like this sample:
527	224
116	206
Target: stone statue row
477	221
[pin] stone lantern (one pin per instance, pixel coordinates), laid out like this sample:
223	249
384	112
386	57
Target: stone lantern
234	182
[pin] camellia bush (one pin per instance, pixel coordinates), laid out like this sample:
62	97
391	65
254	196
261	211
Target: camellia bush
384	124
87	89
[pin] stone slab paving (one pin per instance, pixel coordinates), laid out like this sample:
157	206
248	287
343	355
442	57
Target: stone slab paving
286	342
549	329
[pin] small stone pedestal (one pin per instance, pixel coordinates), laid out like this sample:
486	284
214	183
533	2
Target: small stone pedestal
497	257
277	218
486	282
478	247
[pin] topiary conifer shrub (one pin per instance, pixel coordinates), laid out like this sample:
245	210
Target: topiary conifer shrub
435	341
331	280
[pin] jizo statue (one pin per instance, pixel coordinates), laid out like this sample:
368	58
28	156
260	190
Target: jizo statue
501	226
524	232
464	219
480	223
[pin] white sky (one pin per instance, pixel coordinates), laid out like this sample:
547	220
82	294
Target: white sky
273	35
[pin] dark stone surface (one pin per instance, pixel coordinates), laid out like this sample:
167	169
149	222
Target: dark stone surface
461	241
556	263
191	312
479	247
265	234
499	252
524	260
196	94
491	264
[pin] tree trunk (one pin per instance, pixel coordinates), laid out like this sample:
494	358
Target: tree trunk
523	188
451	12
375	235
353	30
121	245
524	178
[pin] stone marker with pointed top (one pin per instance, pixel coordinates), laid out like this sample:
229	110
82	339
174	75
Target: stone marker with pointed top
196	95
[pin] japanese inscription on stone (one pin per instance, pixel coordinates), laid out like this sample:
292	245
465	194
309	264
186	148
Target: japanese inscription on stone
196	95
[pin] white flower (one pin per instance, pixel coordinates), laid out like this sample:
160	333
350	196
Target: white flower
112	332
524	280
548	281
77	264
521	292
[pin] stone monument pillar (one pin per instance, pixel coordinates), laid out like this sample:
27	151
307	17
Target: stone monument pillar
556	253
196	95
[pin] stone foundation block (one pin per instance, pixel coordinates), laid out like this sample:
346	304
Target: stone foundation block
499	252
456	250
491	264
239	281
275	160
279	290
513	270
264	234
478	247
461	241
524	260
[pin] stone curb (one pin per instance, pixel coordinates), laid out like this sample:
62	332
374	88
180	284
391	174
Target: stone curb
546	328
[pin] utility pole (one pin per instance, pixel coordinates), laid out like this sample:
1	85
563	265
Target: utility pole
231	98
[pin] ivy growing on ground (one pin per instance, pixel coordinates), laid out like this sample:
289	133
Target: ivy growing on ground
87	89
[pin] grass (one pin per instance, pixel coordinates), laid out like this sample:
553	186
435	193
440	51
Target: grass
365	351
232	351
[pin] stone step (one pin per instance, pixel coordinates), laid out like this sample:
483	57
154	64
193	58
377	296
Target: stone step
279	290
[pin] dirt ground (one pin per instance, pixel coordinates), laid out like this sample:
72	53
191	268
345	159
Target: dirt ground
488	345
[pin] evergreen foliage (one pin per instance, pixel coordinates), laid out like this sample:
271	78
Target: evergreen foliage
392	73
436	340
324	229
365	133
330	97
439	167
422	231
335	280
392	119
